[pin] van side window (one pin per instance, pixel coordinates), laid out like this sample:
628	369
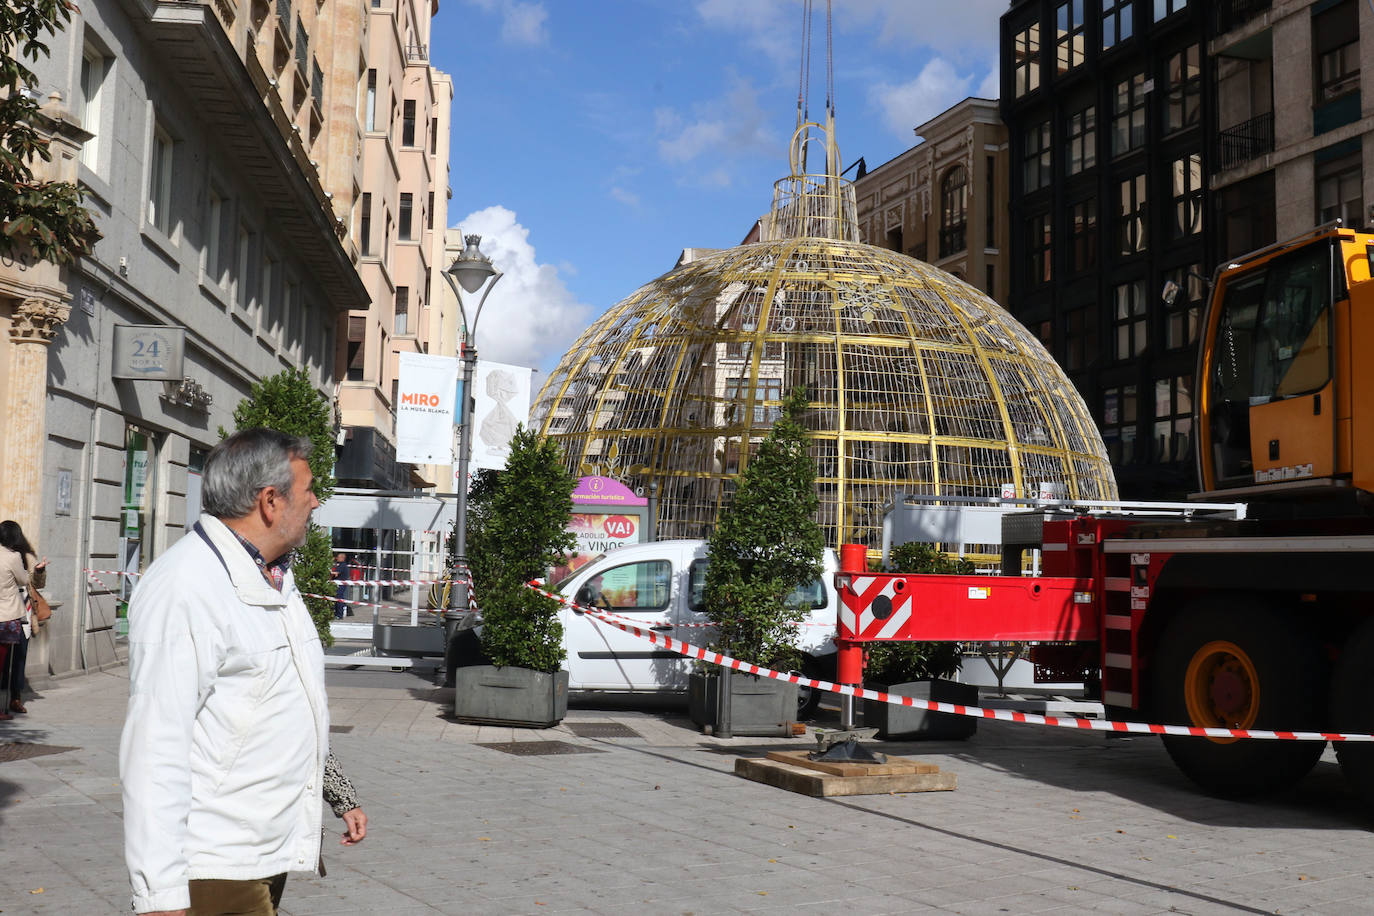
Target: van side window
643	586
696	586
811	595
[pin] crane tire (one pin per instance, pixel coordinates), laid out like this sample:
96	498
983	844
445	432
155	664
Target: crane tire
1352	710
1239	663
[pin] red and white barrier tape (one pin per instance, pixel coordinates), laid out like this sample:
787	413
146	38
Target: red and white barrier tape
390	607
1102	725
390	581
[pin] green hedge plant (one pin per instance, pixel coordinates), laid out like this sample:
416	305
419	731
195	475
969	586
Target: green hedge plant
519	531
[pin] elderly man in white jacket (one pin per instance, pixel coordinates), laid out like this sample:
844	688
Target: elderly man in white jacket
225	752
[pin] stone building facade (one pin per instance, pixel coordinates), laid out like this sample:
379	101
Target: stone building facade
941	200
194	128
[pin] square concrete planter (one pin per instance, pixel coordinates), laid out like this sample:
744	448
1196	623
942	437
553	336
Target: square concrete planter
906	723
757	706
487	695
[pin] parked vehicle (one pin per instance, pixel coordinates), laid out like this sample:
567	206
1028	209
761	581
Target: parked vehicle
660	585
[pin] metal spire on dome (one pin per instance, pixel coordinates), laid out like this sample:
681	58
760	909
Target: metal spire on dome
806	204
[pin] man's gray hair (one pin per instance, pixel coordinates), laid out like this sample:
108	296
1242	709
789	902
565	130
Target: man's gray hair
245	464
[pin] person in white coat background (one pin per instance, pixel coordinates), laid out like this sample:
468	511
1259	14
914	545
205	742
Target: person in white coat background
224	757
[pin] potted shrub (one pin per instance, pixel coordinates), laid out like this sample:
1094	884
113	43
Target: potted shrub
765	542
521	531
918	669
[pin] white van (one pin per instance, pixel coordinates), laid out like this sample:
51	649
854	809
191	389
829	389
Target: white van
659	586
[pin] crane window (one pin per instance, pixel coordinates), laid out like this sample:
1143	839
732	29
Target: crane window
1273	341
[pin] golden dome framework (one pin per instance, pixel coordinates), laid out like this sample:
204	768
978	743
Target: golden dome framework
916	381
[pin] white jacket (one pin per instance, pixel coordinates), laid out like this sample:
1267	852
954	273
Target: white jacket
223	748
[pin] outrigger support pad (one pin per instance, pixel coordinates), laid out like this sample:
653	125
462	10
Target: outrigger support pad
842	746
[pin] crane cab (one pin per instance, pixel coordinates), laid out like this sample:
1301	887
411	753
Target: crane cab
1286	372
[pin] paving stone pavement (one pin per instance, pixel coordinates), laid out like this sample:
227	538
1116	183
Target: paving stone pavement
1043	820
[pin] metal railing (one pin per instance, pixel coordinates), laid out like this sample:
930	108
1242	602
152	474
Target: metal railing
317	85
302	48
417	54
1246	141
1231	14
284	15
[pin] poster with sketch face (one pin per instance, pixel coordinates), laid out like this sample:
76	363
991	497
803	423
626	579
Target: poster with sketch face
501	400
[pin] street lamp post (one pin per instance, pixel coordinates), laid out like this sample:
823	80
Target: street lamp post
472	270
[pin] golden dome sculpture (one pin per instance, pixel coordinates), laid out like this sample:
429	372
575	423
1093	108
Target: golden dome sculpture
917	382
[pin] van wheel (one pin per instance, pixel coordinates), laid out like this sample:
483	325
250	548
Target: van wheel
809	698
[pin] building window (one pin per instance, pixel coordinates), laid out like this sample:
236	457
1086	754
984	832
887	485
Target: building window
94	66
216	238
1080	338
1039	250
953	211
1128	320
1069	33
242	273
402	325
1026	59
370	102
433	136
1119	412
1131	208
160	181
1173	419
1187	195
357	352
365	226
1336	45
1181	317
1082	137
429	211
408	123
1165	8
404	216
1184	74
1083	226
990	204
1339	191
767	389
1035	166
267	294
1128	115
1116	22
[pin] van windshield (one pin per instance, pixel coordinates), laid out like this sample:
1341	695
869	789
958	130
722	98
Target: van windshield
558	586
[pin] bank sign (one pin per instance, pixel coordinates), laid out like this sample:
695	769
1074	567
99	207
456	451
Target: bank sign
426	400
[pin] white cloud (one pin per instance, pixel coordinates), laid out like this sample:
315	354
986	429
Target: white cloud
522	23
628	198
530	317
991	87
935	88
724	129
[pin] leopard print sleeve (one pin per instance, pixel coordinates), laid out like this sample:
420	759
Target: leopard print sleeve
339	793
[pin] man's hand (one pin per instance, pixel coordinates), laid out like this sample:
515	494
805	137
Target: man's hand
356	822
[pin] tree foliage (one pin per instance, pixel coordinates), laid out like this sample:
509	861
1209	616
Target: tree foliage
38	219
519	530
288	402
766	542
898	662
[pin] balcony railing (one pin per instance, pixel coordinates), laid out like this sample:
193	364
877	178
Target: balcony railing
417	54
284	14
1247	140
317	86
1232	14
302	47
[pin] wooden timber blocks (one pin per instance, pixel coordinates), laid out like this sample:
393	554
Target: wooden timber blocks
795	772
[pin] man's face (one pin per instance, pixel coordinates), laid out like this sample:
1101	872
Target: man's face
295	515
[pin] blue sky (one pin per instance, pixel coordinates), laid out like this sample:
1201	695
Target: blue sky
594	139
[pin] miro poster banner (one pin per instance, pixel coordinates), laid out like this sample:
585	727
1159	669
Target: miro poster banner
500	400
426	401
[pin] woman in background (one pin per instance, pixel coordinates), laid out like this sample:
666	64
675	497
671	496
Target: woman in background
19	569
